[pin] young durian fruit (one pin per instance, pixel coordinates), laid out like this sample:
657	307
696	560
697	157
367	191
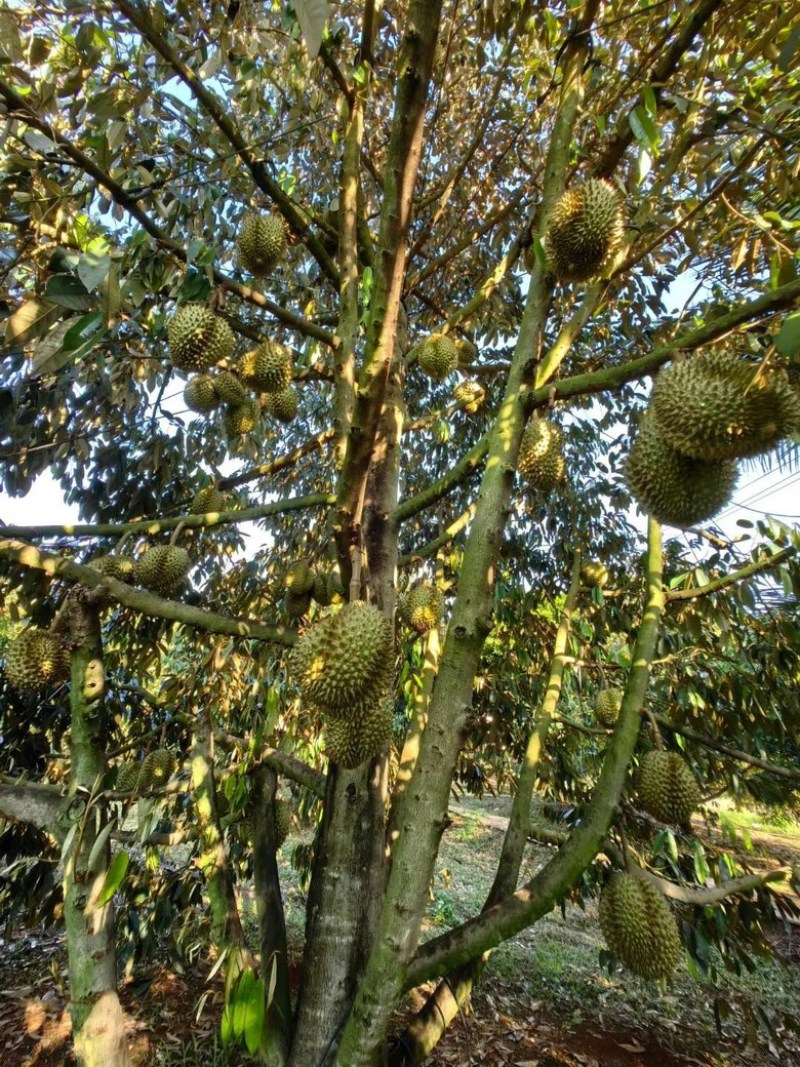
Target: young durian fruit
35	660
718	405
200	395
198	339
261	243
241	419
667	788
541	455
208	499
594	573
470	396
586	231
321	590
163	568
283	820
353	739
229	389
123	568
423	607
297	604
283	405
299	578
268	368
675	489
157	769
639	927
128	777
607	706
438	356
342	661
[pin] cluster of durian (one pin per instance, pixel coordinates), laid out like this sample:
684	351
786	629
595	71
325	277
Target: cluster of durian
585	232
422	607
154	771
35	660
705	413
304	583
541	455
268	369
667	789
638	925
262	243
161	569
343	667
607	705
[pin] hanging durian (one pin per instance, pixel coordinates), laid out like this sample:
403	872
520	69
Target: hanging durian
586	231
163	568
267	368
541	455
35	660
639	927
198	339
438	356
261	243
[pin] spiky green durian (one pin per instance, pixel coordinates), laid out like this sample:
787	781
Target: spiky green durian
718	405
208	499
297	604
283	405
261	243
667	788
267	368
123	568
352	740
241	419
299	577
198	339
200	394
163	568
342	660
35	660
607	705
639	927
128	777
541	455
283	820
424	607
594	573
467	351
229	389
675	489
438	356
157	769
321	590
586	230
470	396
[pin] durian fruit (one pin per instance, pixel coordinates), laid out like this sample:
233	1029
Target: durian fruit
586	231
297	604
335	585
163	568
198	339
128	777
470	396
467	351
282	819
36	659
639	927
123	568
242	419
438	356
208	499
321	589
354	739
200	395
261	243
343	660
607	706
675	489
157	769
423	607
299	577
667	788
283	405
229	389
594	573
718	405
541	455
267	368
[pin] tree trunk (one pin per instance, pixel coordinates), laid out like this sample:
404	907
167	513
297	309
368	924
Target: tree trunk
98	1023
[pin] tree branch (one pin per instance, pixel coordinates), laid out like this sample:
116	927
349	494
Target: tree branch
767	563
36	805
728	750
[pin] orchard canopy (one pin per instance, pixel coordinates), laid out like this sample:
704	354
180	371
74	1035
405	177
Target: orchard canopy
368	339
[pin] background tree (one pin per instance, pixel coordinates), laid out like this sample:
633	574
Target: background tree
413	156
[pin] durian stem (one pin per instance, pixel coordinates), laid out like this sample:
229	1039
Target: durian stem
176	533
658	740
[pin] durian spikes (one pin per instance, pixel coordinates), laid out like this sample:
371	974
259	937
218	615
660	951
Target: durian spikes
541	455
261	243
639	927
586	231
198	339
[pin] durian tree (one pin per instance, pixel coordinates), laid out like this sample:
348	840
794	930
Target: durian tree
390	281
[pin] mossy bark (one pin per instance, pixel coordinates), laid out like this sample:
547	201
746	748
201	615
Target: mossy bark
98	1024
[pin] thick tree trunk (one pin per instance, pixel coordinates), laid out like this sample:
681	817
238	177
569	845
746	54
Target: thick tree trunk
98	1023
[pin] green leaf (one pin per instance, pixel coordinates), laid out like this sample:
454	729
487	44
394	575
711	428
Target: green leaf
50	355
116	872
788	340
254	1021
81	329
644	129
31	319
240	1001
650	102
93	269
100	843
312	16
111	296
226	1028
67	292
